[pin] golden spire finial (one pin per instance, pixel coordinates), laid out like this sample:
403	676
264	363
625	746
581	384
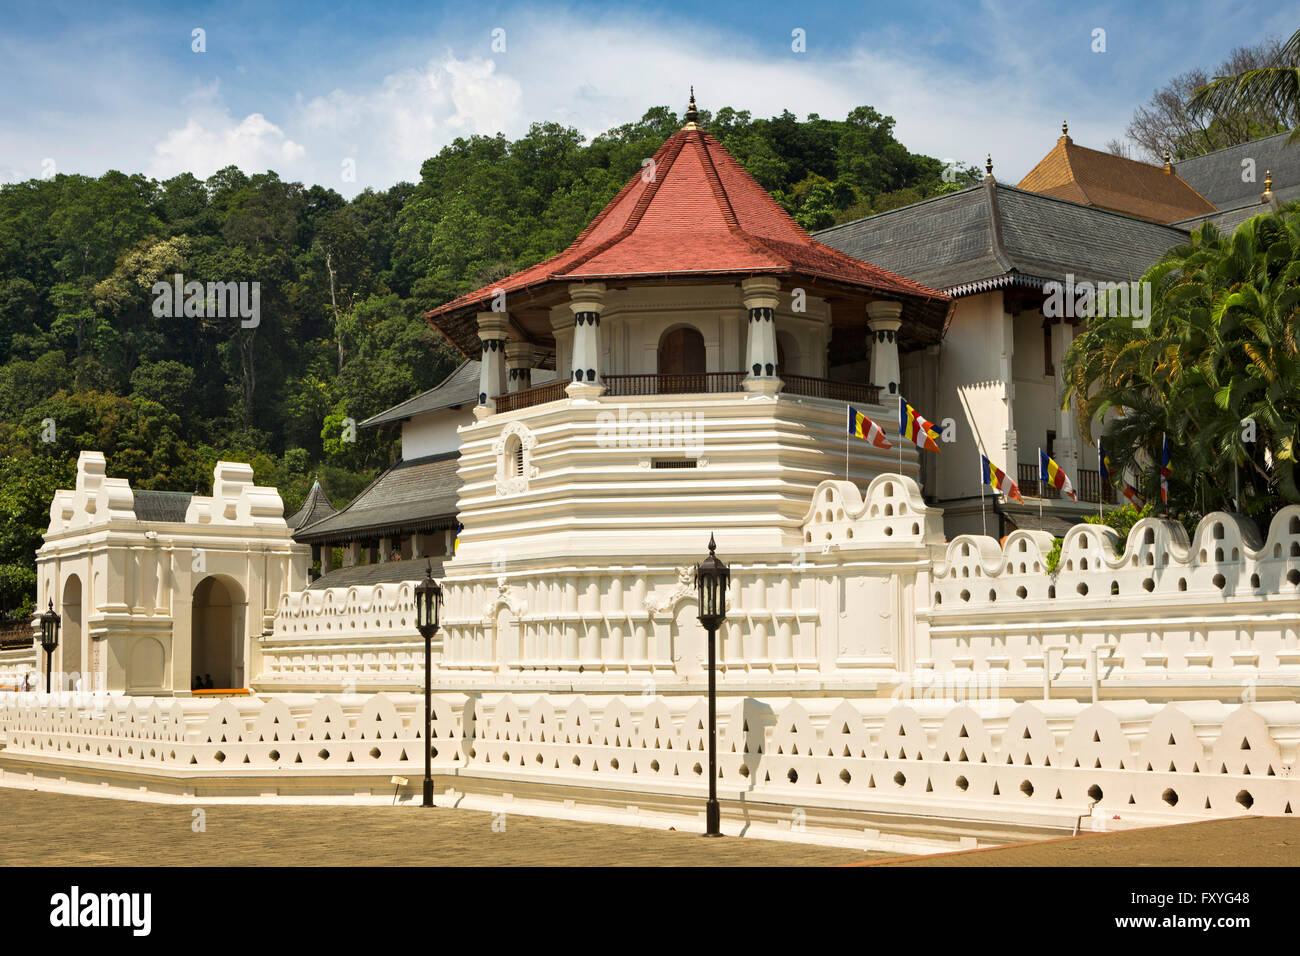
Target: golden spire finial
988	167
692	115
1267	195
1065	129
1169	166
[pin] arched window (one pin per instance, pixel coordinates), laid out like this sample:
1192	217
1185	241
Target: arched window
682	361
514	457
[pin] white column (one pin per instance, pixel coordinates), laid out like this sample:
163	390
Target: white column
586	302
493	330
519	366
883	319
760	296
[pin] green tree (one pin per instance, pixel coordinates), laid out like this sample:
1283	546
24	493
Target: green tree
1267	95
1216	370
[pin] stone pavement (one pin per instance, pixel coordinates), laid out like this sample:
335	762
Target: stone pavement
1245	841
51	829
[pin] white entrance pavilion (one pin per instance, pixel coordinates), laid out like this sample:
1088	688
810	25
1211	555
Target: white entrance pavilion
156	589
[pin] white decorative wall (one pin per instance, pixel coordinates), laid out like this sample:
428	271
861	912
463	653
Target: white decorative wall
1154	615
1049	764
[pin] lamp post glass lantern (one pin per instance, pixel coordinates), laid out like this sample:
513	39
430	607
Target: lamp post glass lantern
50	622
428	604
711	580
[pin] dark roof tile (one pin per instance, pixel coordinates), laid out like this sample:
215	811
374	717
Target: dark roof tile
417	495
458	388
161	505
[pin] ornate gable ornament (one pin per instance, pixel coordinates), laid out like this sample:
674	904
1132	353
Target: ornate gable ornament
659	603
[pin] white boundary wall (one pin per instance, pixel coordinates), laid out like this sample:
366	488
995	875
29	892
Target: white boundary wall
1033	764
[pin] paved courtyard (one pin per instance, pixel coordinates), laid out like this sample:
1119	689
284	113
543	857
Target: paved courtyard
1246	841
94	831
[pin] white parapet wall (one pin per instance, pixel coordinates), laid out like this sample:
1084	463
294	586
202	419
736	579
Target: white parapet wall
1050	765
837	611
870	599
1158	615
362	638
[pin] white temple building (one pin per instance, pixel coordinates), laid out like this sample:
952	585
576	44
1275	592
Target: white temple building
682	370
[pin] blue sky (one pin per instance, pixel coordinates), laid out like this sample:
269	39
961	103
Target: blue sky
357	94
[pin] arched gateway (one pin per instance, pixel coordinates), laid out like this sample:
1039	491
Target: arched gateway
217	633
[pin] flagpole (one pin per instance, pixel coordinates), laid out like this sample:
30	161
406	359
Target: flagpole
984	524
1164	486
1101	491
900	432
848	411
1041	489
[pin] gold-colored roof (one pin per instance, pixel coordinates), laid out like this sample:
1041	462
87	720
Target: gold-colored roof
1107	181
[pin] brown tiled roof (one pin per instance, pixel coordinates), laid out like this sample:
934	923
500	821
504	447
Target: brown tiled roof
1107	181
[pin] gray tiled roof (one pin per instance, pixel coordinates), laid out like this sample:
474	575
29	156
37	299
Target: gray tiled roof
1218	176
458	388
161	505
315	508
995	230
416	495
1230	218
388	572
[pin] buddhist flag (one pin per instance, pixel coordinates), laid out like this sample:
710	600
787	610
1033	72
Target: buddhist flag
1103	460
1133	496
1166	469
915	428
860	426
997	479
1052	473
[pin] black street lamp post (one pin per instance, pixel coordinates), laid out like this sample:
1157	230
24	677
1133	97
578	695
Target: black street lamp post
49	639
428	602
711	580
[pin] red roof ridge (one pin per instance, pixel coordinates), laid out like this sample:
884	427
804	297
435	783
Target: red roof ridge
642	203
761	236
724	200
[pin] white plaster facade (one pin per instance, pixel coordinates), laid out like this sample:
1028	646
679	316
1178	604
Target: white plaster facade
869	668
147	604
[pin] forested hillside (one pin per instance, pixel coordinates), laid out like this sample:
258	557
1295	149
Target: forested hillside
85	363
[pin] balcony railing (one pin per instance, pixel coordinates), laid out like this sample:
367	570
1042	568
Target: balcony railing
687	383
692	383
836	391
537	395
1087	490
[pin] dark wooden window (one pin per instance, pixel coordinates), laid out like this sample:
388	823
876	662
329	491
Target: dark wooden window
681	352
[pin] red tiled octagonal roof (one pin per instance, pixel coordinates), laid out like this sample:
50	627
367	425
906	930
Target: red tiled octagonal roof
694	212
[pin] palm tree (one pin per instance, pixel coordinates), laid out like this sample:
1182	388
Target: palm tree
1277	85
1217	370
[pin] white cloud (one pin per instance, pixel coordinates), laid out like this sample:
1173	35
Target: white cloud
386	130
391	129
212	139
982	91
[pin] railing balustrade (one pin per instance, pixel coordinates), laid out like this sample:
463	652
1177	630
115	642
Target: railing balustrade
692	383
1088	488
